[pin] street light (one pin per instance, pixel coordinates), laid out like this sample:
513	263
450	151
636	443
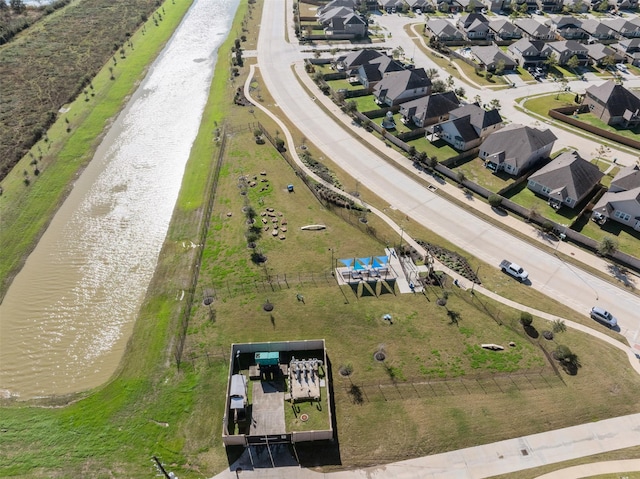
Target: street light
332	271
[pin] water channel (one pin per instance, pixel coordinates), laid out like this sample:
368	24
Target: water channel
66	319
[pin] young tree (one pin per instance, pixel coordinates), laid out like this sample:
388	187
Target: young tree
495	104
495	200
573	62
499	70
607	246
609	61
526	319
551	61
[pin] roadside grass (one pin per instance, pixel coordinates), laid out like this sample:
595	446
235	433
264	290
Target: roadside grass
25	210
542	104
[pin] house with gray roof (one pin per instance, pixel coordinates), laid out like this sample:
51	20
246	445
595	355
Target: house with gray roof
353	60
566	180
622	202
623	28
534	30
443	31
566	49
401	86
613	104
494	5
550	6
528	53
389	5
491	57
630	49
372	72
504	30
429	109
568	27
351	4
467	126
468	19
598	30
515	149
598	52
578	6
423	5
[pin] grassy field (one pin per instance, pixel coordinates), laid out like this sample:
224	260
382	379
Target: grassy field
68	146
436	390
54	60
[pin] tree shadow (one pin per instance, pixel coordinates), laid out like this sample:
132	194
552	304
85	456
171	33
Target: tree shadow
356	394
532	332
454	317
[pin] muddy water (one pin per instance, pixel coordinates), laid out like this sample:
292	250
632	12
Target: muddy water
65	321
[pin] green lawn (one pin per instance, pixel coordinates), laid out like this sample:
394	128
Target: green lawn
475	171
366	103
597	122
440	149
542	104
627	238
527	198
344	84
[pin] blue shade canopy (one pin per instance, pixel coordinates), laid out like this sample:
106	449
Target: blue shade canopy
347	262
359	266
365	261
382	259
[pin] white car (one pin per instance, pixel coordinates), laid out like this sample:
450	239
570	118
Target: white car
621	67
603	316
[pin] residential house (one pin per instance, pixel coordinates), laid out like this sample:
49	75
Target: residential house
622	202
578	6
401	86
598	31
448	6
443	31
598	52
528	53
624	4
517	5
534	30
566	49
469	5
343	21
515	149
504	30
613	104
495	5
491	57
630	49
422	5
372	72
429	109
550	6
467	126
353	60
568	27
475	26
567	180
351	4
392	5
623	28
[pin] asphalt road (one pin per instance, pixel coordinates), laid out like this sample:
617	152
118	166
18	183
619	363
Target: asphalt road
573	286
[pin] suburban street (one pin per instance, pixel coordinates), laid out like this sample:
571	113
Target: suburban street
548	273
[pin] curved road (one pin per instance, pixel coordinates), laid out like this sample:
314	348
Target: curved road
550	275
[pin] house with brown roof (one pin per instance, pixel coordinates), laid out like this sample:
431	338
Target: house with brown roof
622	202
429	109
401	86
467	126
516	149
613	104
567	180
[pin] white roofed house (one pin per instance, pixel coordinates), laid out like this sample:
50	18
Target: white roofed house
566	180
401	86
516	149
622	202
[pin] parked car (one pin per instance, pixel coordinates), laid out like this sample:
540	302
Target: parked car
621	67
603	316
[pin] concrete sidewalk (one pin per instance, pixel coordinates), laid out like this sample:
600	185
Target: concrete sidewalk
488	460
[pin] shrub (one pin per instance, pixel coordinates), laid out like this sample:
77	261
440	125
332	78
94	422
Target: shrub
495	200
526	318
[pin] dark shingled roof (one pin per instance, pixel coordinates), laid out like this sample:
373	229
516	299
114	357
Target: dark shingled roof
517	143
431	106
617	98
478	117
568	176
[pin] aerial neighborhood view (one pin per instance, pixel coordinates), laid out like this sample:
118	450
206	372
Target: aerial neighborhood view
313	238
